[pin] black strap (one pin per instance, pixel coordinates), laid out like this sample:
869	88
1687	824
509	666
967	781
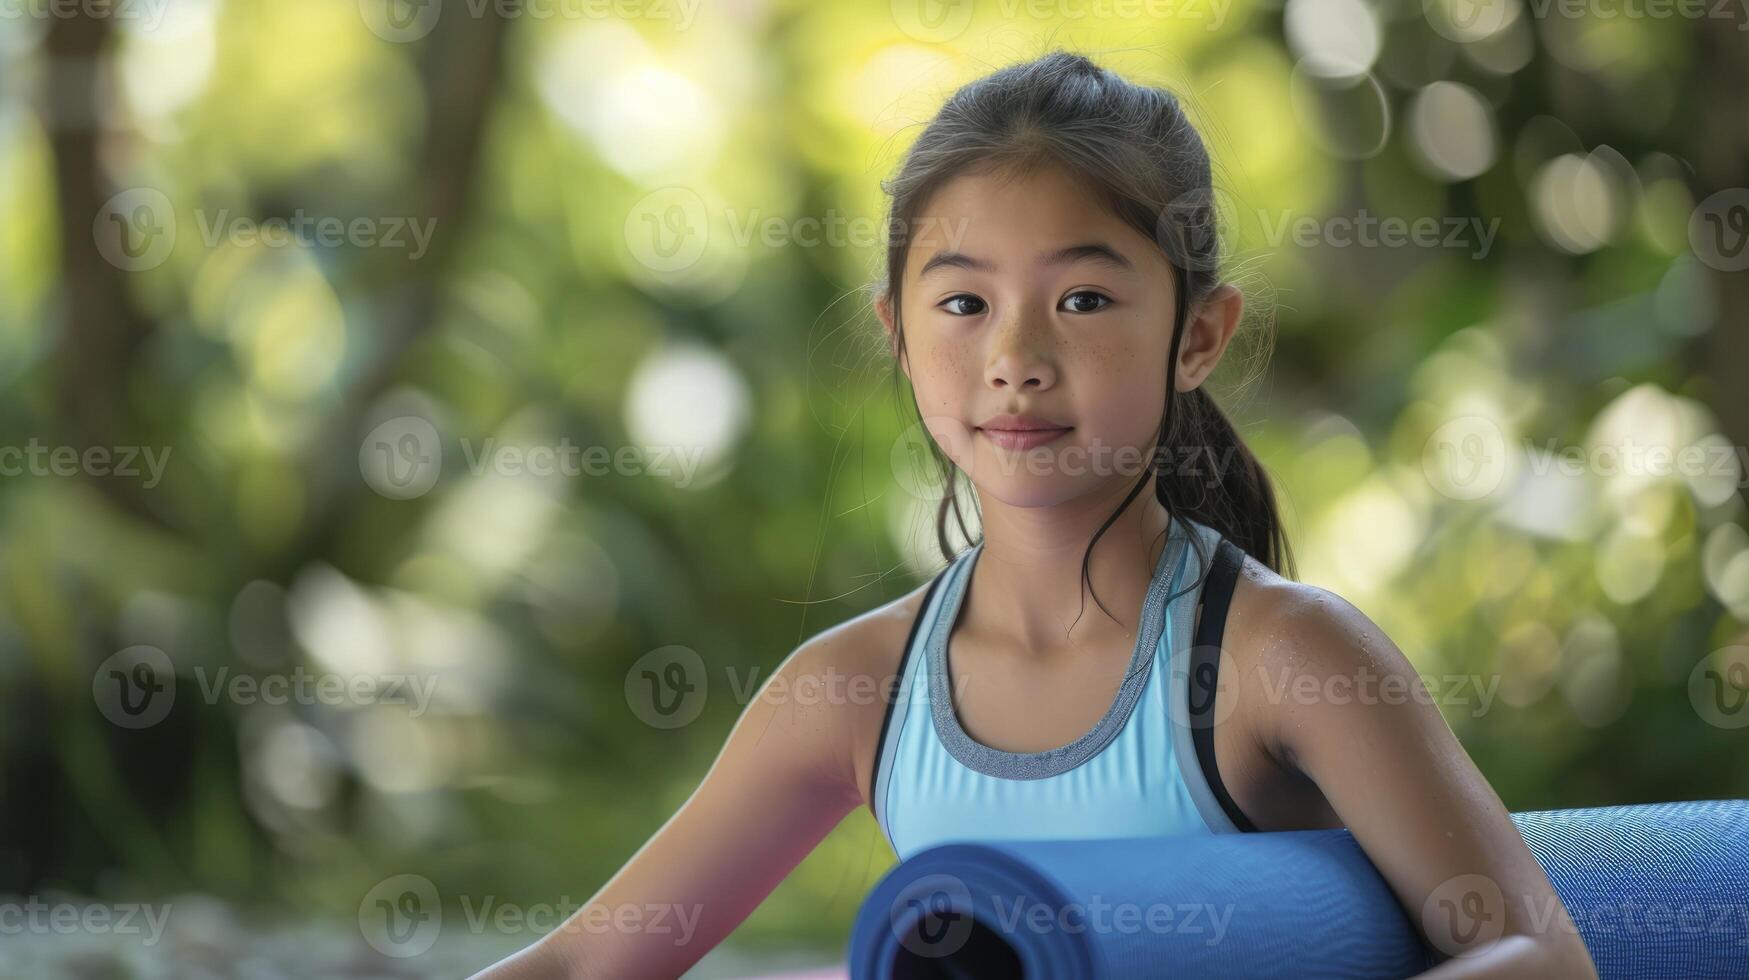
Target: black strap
874	772
1205	665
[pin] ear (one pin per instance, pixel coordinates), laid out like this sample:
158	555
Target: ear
884	310
1211	327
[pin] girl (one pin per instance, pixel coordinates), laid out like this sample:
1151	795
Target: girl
1057	312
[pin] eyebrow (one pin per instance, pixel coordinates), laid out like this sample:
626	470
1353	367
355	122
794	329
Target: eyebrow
1098	252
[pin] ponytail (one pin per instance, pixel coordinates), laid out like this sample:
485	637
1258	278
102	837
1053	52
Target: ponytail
1204	471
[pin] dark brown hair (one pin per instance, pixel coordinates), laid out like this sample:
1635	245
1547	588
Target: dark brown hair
1133	145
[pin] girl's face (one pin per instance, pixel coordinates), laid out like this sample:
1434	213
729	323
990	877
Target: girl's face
1037	332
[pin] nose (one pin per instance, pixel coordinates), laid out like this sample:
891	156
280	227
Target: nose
1018	359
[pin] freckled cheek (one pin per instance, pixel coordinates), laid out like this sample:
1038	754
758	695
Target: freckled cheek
1105	361
942	373
953	361
941	370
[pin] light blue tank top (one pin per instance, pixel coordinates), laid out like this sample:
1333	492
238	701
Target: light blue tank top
1134	774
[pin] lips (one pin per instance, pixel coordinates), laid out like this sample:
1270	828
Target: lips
1022	431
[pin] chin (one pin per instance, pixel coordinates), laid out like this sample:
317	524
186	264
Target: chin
1008	477
1029	498
1031	490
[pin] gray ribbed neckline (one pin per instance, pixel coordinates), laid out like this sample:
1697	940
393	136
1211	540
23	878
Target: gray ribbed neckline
1039	765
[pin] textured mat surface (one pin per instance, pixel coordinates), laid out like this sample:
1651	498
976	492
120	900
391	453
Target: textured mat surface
1655	890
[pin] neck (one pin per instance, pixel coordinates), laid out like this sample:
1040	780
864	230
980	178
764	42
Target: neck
1027	583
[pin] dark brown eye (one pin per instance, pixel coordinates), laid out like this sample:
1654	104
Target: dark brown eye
1086	301
951	304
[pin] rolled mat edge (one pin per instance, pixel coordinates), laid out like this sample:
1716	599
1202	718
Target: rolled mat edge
1655	890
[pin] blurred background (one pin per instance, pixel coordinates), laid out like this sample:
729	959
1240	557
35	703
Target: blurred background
394	390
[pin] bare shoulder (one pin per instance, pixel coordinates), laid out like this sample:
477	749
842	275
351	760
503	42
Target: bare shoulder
855	665
1285	637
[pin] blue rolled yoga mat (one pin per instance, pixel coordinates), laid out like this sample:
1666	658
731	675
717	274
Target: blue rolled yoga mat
1656	890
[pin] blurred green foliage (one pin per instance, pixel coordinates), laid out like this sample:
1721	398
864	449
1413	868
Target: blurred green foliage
549	156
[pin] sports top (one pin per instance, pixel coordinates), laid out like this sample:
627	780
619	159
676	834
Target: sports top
1145	769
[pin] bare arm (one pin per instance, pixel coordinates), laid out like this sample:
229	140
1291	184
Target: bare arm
1349	711
781	782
